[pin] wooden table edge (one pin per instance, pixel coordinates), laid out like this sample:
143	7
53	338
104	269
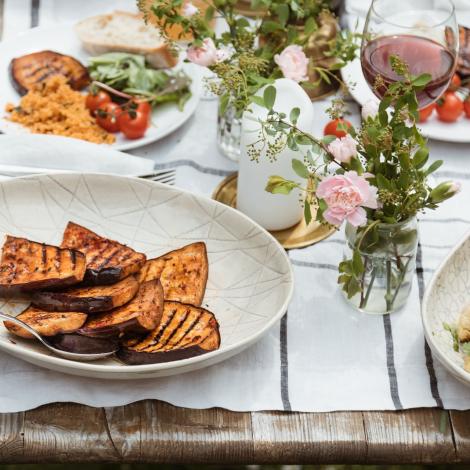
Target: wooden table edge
157	432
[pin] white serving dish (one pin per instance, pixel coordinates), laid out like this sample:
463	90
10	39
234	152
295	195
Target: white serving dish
250	277
447	295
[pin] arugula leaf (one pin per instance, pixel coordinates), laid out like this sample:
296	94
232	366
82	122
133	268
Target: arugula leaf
455	338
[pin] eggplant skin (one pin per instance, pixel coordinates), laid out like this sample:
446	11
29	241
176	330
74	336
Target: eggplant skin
184	331
88	299
83	344
28	265
46	323
134	358
183	273
30	70
108	261
141	315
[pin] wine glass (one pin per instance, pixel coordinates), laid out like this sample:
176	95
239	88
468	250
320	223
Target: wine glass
423	33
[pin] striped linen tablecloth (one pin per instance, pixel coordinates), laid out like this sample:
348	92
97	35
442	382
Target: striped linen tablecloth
323	356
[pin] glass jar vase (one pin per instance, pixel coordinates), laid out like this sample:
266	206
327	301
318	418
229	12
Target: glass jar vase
388	255
229	129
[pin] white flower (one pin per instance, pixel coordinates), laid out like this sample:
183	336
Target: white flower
189	10
223	54
343	149
370	109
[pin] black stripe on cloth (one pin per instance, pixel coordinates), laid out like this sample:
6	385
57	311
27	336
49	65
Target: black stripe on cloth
196	166
427	350
307	264
452	174
35	4
392	373
445	221
284	365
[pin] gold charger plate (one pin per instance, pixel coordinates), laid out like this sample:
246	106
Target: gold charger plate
297	236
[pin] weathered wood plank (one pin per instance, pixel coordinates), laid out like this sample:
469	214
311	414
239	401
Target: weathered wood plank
461	426
153	431
66	432
412	436
11	437
308	437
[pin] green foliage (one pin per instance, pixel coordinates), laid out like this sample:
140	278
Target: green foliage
253	47
131	74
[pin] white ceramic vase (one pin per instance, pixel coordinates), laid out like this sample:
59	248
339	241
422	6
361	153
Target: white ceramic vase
272	211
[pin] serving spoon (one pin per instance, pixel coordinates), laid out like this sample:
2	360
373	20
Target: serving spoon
83	357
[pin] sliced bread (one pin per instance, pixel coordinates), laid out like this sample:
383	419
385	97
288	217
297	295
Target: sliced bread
125	32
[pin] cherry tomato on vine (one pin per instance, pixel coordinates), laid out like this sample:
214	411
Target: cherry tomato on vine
133	124
449	107
107	117
96	100
466	107
332	127
144	107
455	82
426	112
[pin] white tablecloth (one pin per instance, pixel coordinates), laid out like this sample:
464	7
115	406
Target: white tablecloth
323	355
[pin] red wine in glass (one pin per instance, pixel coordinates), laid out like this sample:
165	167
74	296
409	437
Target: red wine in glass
422	55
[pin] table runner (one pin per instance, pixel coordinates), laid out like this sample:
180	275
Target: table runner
323	356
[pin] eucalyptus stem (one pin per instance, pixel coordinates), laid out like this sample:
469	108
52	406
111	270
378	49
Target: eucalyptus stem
401	279
363	303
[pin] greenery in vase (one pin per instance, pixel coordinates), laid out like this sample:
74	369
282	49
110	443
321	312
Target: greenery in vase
372	176
248	55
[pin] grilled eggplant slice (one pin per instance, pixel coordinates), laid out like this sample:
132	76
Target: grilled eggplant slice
88	299
46	323
28	265
140	315
184	331
84	345
30	70
183	273
107	261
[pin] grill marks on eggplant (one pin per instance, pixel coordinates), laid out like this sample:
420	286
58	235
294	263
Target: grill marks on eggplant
151	307
183	273
88	299
29	265
46	323
108	261
142	314
185	331
28	71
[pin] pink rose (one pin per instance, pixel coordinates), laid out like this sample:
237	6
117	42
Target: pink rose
343	149
189	10
206	55
346	196
293	63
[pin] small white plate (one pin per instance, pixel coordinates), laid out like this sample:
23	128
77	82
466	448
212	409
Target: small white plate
166	118
250	277
458	132
446	296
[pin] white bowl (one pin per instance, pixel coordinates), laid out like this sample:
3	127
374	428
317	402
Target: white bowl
250	277
446	296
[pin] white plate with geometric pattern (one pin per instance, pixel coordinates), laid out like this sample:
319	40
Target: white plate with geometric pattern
446	297
250	277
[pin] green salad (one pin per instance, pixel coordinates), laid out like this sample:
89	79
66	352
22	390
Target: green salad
130	74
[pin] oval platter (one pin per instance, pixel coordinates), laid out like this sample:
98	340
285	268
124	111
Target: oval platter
250	278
